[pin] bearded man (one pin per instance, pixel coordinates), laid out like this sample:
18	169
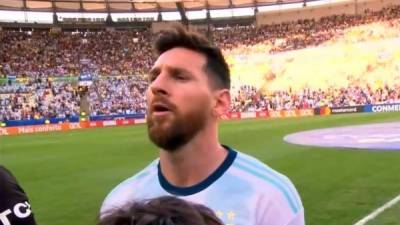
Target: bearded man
187	95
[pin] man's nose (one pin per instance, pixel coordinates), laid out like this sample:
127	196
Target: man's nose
159	86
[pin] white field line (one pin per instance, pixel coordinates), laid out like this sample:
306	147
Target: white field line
378	211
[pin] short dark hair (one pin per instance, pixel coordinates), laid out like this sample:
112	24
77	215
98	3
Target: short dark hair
166	210
178	36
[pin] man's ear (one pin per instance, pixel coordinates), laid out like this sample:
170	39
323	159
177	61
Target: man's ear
222	102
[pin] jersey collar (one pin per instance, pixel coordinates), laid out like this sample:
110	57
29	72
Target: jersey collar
184	191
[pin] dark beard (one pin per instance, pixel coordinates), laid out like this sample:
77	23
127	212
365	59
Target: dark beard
178	132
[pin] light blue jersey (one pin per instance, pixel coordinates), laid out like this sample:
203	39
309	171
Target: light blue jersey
242	191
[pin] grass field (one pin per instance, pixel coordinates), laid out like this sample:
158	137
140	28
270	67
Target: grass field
67	175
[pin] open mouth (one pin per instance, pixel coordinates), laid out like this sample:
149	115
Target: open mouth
160	109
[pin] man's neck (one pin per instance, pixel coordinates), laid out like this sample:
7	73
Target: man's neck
193	162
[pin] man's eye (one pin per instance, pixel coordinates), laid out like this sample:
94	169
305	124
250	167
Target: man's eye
180	77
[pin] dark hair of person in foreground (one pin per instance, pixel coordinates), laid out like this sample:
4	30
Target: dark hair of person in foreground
166	210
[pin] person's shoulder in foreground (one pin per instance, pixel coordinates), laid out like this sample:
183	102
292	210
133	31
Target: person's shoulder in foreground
15	208
166	210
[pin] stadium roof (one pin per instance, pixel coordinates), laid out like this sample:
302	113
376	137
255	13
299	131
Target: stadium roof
132	5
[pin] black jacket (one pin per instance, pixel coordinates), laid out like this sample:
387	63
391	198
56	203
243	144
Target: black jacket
14	205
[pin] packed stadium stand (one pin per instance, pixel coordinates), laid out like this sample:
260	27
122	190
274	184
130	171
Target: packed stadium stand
288	65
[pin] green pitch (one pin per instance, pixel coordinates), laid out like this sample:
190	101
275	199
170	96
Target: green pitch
67	175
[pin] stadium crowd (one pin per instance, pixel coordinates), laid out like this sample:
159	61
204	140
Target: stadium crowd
120	58
125	95
118	95
43	53
39	99
297	34
251	99
128	52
